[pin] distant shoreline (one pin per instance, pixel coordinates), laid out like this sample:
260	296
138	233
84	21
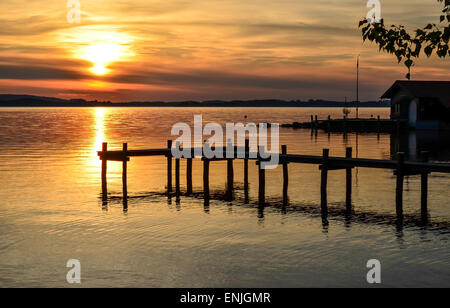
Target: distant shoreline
125	106
37	101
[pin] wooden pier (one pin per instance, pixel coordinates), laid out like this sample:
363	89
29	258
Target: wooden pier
373	125
326	163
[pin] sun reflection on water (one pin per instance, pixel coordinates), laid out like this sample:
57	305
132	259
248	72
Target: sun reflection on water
99	128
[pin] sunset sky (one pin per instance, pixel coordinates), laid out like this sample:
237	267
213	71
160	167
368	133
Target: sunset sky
198	50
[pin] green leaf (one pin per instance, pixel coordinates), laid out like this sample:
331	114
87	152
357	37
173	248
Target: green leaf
408	63
428	51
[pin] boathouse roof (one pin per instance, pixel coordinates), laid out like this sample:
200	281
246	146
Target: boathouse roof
422	89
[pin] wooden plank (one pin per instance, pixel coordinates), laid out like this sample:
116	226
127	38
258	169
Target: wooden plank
130	153
331	167
428	167
340	162
335	163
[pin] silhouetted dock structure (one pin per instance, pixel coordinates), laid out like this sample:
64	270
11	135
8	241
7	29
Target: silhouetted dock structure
374	125
326	163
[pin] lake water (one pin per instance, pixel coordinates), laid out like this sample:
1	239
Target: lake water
51	208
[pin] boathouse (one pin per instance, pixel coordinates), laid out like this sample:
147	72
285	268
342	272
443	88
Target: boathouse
421	104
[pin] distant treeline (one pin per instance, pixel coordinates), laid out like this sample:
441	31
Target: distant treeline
37	101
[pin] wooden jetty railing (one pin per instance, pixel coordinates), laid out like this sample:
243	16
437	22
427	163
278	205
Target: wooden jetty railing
326	163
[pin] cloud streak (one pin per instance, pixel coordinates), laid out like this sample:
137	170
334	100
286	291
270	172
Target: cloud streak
205	49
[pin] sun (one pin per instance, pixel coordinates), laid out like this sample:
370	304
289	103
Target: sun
101	46
101	55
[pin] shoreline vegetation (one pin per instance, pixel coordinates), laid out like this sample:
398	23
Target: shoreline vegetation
7	100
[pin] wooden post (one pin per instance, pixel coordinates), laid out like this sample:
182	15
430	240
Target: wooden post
104	168
247	154
262	181
348	194
424	190
206	178
230	177
169	168
189	175
399	187
378	126
285	176
324	179
316	122
177	177
124	175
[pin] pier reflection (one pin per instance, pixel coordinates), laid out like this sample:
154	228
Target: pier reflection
437	143
333	214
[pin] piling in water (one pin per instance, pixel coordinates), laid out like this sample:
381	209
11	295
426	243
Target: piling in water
348	181
399	186
323	182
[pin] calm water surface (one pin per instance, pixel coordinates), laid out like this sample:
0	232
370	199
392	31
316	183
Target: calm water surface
51	208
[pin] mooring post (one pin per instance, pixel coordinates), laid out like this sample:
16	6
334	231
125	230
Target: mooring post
424	188
262	179
285	176
323	183
348	194
104	167
247	155
206	177
189	175
205	174
230	176
169	168
399	186
177	175
124	174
